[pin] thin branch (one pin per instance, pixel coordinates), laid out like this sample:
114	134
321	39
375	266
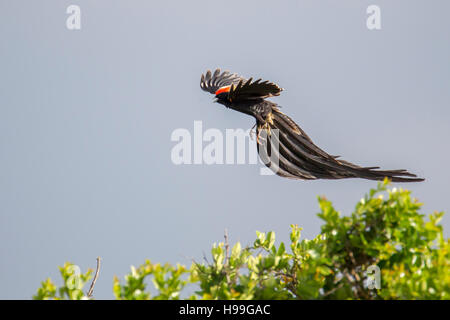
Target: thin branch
227	247
205	258
97	272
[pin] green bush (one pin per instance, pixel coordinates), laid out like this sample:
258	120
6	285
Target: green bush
383	250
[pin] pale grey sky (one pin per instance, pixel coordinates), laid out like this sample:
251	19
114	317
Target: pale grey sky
86	118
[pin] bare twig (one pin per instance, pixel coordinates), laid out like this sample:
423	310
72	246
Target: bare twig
205	258
227	247
334	289
97	271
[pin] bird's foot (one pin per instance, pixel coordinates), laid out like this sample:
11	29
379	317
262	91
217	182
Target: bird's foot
258	141
263	128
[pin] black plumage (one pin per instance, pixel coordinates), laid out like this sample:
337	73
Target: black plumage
290	151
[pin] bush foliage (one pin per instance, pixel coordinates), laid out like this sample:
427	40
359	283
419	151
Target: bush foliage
385	249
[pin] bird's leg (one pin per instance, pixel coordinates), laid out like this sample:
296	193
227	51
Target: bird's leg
251	131
266	127
267	123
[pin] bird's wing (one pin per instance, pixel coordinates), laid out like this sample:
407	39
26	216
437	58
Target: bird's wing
291	153
250	89
211	82
239	87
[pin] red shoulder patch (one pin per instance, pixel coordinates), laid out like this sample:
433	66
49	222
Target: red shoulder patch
223	89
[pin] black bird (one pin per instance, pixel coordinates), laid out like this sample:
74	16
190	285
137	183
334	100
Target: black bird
295	154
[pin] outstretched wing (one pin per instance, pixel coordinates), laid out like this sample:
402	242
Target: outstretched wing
290	153
246	90
211	82
238	88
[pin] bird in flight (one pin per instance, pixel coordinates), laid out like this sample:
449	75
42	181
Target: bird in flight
292	153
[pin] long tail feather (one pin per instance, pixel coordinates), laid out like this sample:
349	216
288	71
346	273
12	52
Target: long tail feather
299	158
